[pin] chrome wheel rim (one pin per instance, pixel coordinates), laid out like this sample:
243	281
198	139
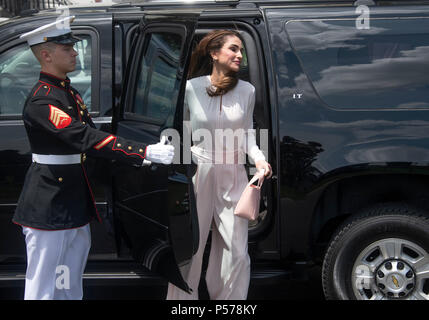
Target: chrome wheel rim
391	269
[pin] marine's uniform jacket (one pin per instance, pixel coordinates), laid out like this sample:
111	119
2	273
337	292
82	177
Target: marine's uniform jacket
58	196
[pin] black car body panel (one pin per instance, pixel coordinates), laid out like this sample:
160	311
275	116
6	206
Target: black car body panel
156	212
321	143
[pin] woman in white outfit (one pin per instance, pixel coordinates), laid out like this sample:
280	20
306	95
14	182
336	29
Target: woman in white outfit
220	107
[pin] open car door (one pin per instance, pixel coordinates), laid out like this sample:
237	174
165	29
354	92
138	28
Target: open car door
155	205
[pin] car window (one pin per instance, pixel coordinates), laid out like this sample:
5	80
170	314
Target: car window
19	72
157	85
81	77
384	66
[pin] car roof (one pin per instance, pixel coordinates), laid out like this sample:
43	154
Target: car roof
139	5
34	18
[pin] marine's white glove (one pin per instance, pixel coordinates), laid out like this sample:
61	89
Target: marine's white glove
160	152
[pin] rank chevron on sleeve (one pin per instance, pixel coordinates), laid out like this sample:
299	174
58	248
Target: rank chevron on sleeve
59	118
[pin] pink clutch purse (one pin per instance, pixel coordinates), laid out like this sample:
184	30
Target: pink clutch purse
248	205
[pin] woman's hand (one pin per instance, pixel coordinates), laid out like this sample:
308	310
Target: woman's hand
262	164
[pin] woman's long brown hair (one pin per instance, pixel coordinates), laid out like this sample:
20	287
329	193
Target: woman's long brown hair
201	61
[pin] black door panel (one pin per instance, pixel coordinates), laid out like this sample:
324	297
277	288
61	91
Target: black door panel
155	204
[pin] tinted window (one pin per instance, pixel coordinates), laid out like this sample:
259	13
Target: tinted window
385	66
157	83
19	72
81	77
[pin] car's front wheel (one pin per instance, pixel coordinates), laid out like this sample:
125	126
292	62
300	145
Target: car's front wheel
383	253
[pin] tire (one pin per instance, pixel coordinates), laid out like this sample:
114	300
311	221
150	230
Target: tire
380	254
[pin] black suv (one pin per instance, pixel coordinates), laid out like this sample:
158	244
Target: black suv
341	89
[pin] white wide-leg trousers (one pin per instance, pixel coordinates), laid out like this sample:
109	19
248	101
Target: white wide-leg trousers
218	188
55	263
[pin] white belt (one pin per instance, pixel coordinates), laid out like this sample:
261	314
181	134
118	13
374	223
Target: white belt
56	158
222	157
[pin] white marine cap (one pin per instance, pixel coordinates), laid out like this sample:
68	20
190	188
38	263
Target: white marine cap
58	32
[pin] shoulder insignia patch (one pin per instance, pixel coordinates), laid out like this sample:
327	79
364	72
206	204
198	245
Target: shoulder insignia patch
59	118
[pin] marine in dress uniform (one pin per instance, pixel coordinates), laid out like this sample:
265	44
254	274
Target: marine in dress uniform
56	203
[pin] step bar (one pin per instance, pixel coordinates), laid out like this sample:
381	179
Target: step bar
258	276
